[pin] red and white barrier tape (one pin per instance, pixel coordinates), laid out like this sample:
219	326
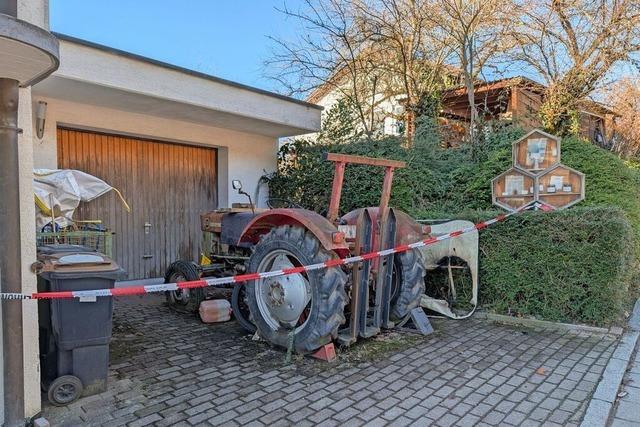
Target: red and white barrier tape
147	289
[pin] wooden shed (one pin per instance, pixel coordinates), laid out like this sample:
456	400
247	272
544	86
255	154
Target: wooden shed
518	99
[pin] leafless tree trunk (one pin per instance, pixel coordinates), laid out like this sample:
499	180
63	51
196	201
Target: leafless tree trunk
624	96
572	45
475	30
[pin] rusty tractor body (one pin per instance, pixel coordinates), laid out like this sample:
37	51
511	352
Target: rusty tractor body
316	307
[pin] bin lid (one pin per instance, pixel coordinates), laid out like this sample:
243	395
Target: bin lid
70	263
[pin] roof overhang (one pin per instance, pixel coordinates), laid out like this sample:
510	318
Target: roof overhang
105	77
28	53
496	85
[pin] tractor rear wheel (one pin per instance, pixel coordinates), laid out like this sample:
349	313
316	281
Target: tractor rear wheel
184	300
408	283
311	304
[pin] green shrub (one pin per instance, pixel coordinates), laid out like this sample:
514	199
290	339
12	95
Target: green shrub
609	180
574	266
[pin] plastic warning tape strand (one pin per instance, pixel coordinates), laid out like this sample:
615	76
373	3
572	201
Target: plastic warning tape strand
89	295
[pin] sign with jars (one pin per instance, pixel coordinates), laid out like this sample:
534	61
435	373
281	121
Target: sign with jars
513	189
537	175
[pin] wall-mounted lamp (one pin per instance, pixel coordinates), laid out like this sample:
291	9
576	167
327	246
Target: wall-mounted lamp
41	114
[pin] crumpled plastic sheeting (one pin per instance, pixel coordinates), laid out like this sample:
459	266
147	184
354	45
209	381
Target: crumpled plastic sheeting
63	190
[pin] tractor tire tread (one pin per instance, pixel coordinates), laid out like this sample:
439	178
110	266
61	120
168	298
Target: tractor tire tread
412	286
330	290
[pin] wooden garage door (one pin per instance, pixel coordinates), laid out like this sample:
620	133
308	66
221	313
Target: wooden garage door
167	185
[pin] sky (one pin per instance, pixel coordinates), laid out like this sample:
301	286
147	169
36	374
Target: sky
225	38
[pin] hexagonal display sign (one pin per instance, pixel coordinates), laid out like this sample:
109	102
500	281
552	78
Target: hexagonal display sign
536	151
560	186
513	189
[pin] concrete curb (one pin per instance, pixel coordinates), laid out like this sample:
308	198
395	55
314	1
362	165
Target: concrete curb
607	390
535	323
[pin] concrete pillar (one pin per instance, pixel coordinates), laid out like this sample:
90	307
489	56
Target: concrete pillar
10	260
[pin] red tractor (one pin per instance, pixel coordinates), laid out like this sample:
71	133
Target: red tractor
338	303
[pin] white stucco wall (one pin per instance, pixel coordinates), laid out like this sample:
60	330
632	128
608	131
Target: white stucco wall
384	111
246	155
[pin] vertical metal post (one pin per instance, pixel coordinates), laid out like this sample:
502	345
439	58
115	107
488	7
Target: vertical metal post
386	188
10	258
336	191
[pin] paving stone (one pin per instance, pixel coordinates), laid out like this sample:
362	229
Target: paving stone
468	420
447	420
539	414
249	416
393	413
629	411
514	418
481	409
559	416
505	406
199	408
346	414
617	422
461	409
145	421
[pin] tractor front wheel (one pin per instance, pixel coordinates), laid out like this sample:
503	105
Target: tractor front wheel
184	300
309	305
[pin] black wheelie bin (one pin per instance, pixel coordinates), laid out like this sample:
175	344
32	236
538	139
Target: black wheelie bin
74	334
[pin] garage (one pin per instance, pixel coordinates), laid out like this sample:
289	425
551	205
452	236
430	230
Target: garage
171	140
167	185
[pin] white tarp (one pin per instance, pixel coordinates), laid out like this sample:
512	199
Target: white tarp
63	190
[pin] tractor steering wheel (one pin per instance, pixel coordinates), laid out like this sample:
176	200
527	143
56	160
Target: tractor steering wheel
275	203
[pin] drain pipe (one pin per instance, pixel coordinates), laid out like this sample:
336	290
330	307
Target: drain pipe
10	259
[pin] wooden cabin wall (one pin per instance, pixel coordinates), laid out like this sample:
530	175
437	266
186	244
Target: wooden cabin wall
524	107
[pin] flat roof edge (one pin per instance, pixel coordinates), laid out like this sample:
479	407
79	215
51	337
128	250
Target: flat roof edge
183	70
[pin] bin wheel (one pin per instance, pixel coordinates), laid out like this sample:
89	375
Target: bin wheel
65	390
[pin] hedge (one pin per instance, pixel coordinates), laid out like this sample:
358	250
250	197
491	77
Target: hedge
576	265
609	180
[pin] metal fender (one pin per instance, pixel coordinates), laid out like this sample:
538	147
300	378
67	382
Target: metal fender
407	229
319	226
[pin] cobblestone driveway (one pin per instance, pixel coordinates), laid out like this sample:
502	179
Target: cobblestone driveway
170	369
